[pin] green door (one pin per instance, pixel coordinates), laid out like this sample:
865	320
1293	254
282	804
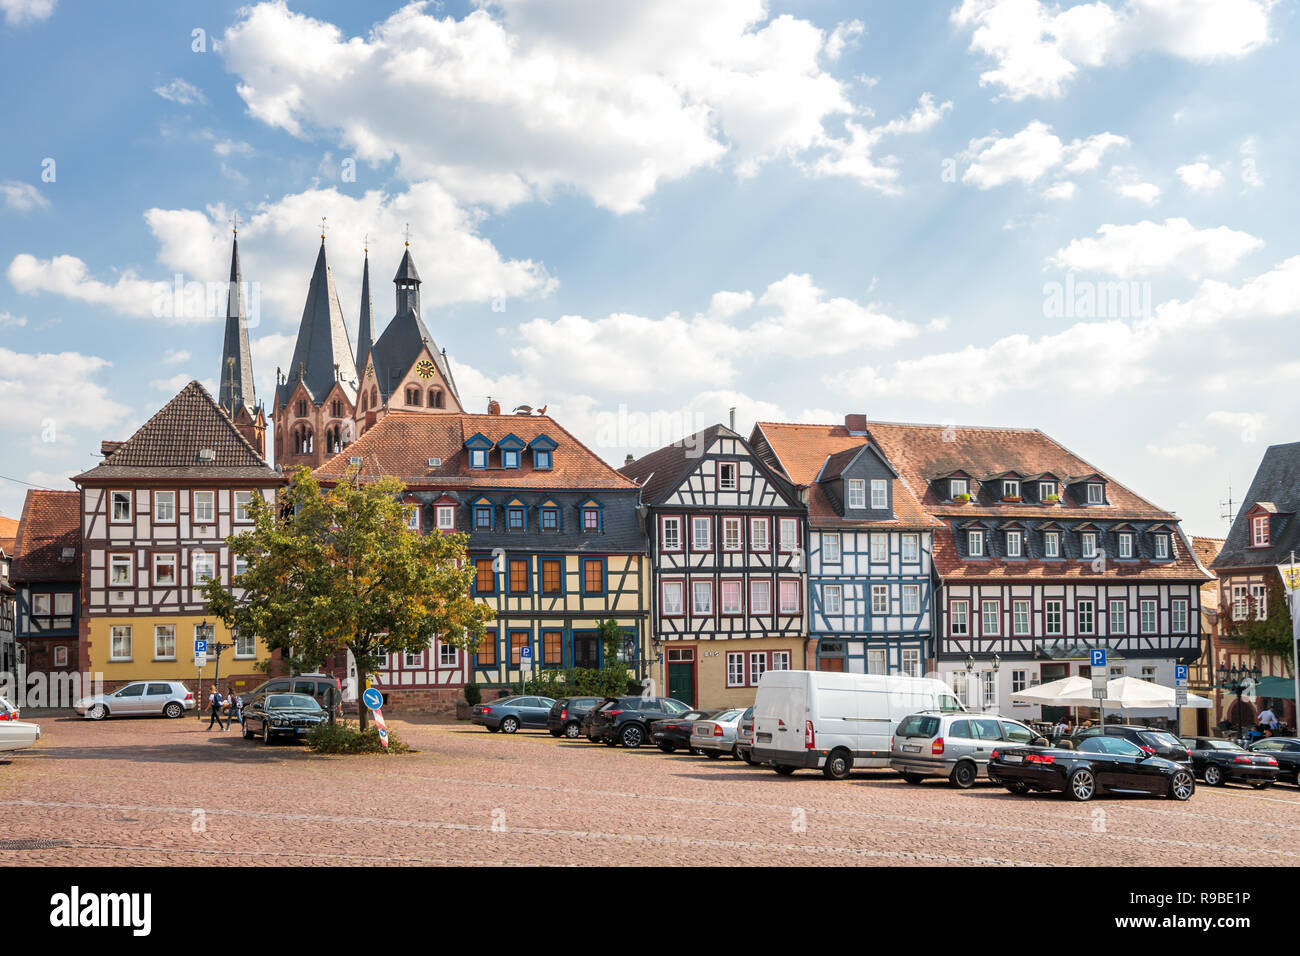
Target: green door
681	681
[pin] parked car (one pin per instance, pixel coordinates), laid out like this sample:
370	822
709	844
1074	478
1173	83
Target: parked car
511	713
282	715
627	720
169	698
588	719
1217	761
956	746
835	721
566	715
1161	743
1101	763
1286	750
323	687
715	736
7	710
672	733
745	737
18	735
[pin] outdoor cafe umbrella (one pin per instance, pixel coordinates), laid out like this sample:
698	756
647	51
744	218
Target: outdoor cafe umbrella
1123	693
1066	692
1275	687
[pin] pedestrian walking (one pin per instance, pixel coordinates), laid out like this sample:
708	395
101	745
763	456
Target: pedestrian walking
236	710
215	703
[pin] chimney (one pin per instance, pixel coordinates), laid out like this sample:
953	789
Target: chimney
733	418
107	448
494	407
628	460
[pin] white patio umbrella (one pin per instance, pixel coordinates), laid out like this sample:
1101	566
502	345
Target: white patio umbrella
1067	692
1130	693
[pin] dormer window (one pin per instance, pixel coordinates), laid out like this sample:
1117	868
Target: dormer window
413	517
550	517
478	458
1047	490
975	543
958	487
1259	537
446	516
879	494
1096	496
483	517
1088	544
728	476
1125	544
543	452
541	460
1051	544
857	493
591	517
510	459
515	519
1010	488
1014	549
1162	547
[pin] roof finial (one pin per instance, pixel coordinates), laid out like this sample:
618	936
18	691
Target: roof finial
408	235
322	228
234	222
366	243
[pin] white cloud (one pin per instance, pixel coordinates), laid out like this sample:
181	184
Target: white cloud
1271	295
1149	248
21	197
51	393
179	91
230	147
1030	154
68	276
1248	425
1062	190
843	36
26	11
853	157
1037	48
10	321
1200	176
172	385
175	356
1187	452
1126	181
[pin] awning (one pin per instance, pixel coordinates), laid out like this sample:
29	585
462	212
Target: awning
1275	687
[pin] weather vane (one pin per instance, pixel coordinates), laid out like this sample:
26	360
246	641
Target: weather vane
234	222
322	228
408	234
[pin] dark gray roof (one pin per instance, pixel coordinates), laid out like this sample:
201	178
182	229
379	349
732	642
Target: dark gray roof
622	525
406	269
236	377
322	342
1276	482
397	349
661	472
366	325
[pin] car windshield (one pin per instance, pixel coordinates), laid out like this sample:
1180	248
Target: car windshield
1116	746
729	715
291	702
675	707
1223	745
1158	738
950	705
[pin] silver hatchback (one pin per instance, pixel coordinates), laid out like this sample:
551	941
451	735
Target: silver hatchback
157	698
956	746
717	735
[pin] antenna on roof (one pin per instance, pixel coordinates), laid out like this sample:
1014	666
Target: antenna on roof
1228	514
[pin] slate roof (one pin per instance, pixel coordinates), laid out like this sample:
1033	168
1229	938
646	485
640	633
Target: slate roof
51	521
660	472
322	342
236	386
167	446
402	340
401	443
1277	482
366	323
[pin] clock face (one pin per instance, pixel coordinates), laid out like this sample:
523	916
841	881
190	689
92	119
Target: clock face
425	369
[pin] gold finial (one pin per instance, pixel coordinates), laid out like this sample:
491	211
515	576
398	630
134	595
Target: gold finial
322	228
234	223
366	243
408	235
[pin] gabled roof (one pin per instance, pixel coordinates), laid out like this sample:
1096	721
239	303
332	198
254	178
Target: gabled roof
51	522
1276	484
322	345
661	472
401	443
404	338
168	445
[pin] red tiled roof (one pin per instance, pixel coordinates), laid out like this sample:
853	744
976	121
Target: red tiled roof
51	521
8	528
802	451
401	443
1207	549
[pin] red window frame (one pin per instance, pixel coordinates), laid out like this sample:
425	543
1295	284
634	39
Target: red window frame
663	604
740	585
798	596
681	533
691	522
999	631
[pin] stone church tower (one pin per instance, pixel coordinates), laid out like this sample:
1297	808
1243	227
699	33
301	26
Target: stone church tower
236	395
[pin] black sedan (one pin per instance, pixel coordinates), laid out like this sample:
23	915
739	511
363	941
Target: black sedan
567	714
510	713
1158	743
1101	764
1286	751
282	715
1217	761
672	733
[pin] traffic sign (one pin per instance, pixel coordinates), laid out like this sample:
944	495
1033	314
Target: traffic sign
200	660
200	646
525	654
372	698
1098	657
1180	696
1180	675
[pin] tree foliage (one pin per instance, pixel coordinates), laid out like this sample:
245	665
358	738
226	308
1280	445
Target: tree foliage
1271	634
333	569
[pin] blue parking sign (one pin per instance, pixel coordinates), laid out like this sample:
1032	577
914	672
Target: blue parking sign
1180	673
200	647
525	653
1099	657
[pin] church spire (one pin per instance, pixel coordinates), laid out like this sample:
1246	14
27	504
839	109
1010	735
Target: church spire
236	379
365	328
322	354
407	281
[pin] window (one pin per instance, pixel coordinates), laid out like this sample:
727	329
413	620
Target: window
880	599
590	519
879	549
552	648
1046	489
61	656
671	534
205	567
1239	602
857	493
446	652
541	459
727	480
1125	544
413	396
789	596
121	505
239	564
1010	488
959	690
485	655
518	639
164	642
245	645
119	570
1013	544
833	599
1051	544
672	598
959	618
911	548
757	665
517	578
789	534
990	618
243	501
1095	496
164	570
515	519
550	518
1085	613
758	538
1259	531
1019	682
593	576
1149	674
957	486
1147	616
1053	617
164	506
509	458
1178	615
119	648
735	670
701	533
413	517
911	661
478	458
1020	610
879	493
413	658
732	540
552	581
483	517
204	506
760	597
701	598
1259	598
1088	544
831	548
975	543
989	693
446	517
911	599
485	576
732	596
780	661
1118	620
1162	547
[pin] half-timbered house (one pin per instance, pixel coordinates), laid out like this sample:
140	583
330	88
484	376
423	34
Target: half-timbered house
154	518
552	531
869	550
47	578
728	546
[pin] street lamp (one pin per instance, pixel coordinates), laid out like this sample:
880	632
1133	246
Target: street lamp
206	632
1236	680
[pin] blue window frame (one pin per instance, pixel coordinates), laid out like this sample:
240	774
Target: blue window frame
543	447
593	517
541	460
482	515
478	458
550	516
516	519
594	580
510	459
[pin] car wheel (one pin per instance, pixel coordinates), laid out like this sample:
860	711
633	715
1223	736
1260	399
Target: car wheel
632	736
783	770
963	775
572	730
1082	785
713	754
1213	776
737	753
838	765
667	746
913	777
509	725
267	734
248	734
98	712
173	710
1019	787
1182	786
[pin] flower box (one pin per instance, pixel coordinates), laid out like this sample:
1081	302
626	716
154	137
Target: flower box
1051	499
1013	498
961	499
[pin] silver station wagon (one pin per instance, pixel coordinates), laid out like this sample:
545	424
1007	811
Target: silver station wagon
955	746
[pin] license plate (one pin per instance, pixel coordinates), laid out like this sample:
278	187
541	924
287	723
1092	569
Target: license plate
764	738
912	748
1012	758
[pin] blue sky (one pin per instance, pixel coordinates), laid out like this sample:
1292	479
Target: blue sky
800	209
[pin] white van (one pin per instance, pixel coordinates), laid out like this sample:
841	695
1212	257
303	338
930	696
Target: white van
836	721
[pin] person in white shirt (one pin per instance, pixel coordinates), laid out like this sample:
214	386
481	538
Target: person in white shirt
1268	719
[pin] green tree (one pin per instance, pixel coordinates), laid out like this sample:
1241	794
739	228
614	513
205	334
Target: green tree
1271	634
337	569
